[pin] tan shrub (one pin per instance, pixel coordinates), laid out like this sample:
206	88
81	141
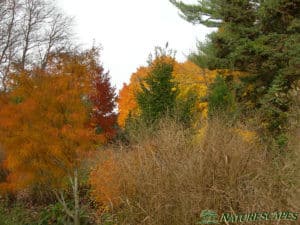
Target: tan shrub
168	179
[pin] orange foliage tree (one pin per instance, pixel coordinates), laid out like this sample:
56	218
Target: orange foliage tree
45	126
127	96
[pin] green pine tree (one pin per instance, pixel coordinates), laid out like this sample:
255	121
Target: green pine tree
158	95
260	37
229	46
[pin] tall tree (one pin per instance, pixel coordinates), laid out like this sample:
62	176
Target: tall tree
260	38
279	62
103	100
30	30
45	124
235	20
158	93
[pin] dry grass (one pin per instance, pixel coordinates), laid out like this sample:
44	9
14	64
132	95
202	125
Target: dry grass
168	179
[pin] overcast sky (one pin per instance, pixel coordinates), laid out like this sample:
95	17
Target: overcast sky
128	30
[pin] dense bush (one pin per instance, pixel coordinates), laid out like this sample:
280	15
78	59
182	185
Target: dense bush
169	177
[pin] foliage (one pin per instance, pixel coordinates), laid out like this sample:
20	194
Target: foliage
158	93
191	86
53	214
31	31
126	100
260	38
192	82
172	160
213	13
102	97
166	177
220	99
45	133
185	108
105	189
227	47
16	214
21	214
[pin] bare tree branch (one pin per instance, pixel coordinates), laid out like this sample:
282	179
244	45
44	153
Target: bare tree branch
30	30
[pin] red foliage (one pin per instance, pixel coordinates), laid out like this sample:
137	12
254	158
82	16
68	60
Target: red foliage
103	98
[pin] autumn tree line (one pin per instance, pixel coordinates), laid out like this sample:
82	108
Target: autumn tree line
75	152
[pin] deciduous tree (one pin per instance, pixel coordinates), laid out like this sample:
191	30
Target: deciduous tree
102	98
30	30
45	123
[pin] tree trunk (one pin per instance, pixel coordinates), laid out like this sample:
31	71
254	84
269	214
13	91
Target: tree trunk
74	214
76	199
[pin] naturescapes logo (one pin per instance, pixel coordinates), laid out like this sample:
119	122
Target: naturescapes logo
211	217
208	217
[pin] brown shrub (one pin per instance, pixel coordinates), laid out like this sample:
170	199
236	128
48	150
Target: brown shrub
167	178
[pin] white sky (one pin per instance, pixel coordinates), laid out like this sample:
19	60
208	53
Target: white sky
128	30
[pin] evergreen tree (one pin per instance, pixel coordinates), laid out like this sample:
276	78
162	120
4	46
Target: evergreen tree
220	99
228	47
257	37
279	61
158	93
